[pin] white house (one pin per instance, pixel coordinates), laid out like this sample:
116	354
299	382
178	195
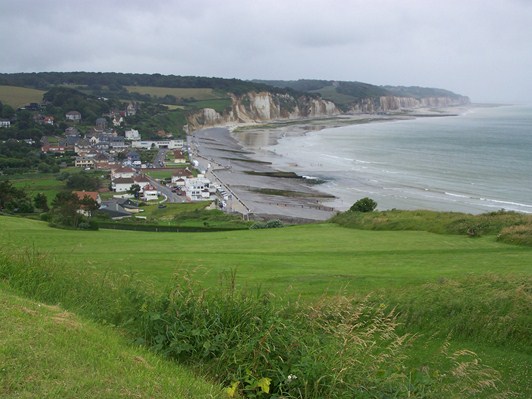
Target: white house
132	134
197	188
122	184
149	193
74	116
5	123
127	173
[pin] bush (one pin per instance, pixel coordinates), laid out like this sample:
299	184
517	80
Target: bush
271	224
364	205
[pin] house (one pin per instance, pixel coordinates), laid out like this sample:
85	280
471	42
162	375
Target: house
94	195
82	195
197	188
131	109
122	184
117	120
84	162
179	157
5	123
182	174
141	180
132	134
119	208
48	120
101	124
72	131
149	193
73	116
57	148
122	172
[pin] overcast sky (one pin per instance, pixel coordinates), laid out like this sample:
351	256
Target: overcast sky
482	49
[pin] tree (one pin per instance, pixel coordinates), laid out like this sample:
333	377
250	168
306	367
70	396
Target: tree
41	202
364	205
134	190
14	199
65	208
83	182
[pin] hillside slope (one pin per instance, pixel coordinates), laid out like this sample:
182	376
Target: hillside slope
46	352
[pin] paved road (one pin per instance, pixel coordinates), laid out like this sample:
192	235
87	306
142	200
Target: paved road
171	197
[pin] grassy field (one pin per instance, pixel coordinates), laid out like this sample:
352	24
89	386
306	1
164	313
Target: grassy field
19	96
39	183
198	94
475	289
47	352
302	260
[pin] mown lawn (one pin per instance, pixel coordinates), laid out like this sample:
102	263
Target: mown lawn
303	260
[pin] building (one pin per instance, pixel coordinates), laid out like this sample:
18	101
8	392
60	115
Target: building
132	134
149	193
179	157
5	123
84	162
73	116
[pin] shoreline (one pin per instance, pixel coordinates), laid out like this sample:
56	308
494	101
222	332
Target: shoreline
240	164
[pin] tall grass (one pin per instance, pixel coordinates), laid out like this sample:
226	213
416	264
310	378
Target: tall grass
488	308
509	224
257	345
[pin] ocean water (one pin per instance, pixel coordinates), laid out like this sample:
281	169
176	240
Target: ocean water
479	161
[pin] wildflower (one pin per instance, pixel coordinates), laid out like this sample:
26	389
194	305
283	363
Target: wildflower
291	377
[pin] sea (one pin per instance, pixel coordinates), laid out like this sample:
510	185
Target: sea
476	162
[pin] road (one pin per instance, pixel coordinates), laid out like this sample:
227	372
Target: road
170	196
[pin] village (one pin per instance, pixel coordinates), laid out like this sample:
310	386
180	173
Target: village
132	163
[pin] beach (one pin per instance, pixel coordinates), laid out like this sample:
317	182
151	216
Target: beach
254	190
237	158
473	160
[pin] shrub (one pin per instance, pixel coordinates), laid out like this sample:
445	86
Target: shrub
364	205
271	224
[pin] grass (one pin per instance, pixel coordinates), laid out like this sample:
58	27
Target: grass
338	347
476	289
39	183
306	260
48	352
19	96
218	104
510	227
198	94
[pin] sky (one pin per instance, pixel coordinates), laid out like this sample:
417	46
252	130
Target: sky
482	49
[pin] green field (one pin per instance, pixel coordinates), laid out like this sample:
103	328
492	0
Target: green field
39	183
198	94
304	260
47	352
19	96
474	289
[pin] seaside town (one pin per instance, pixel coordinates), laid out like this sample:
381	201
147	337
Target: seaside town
124	159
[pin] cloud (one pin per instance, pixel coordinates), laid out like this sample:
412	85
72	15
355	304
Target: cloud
476	47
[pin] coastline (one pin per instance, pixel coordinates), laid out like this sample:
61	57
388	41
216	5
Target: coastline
237	158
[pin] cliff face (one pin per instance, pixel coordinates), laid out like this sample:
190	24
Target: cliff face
262	107
266	106
395	103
